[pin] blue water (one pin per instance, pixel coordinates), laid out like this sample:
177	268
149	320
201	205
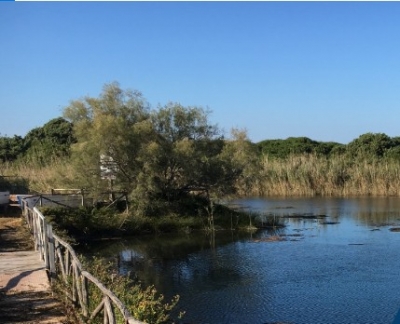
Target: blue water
340	269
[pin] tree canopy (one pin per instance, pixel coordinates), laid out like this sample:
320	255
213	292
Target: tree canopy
280	148
159	156
53	140
40	145
370	145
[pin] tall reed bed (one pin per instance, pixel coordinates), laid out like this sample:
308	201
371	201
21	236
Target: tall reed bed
38	178
297	175
310	175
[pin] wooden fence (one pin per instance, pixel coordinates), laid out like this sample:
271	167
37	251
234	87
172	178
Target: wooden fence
61	259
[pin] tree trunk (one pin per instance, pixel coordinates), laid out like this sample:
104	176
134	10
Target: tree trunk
210	211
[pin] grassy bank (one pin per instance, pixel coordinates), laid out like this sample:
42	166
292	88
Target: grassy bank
92	223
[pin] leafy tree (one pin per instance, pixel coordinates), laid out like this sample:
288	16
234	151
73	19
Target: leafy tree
394	151
116	126
244	163
53	140
339	149
181	159
370	145
11	148
329	148
184	143
160	157
296	145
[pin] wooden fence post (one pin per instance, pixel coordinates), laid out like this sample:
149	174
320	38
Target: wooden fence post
83	197
41	238
85	296
51	252
36	233
45	239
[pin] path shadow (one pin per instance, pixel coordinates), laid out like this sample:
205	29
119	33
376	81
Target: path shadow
14	235
13	282
30	307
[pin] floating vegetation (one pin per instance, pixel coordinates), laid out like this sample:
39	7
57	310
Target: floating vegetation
382	224
279	238
293	235
329	223
305	216
272	238
284	207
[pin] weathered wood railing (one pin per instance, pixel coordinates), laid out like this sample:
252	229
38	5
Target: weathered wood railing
61	259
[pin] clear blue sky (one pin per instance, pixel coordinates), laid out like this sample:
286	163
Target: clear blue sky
325	70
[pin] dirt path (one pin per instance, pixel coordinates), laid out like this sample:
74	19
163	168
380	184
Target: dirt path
14	236
25	295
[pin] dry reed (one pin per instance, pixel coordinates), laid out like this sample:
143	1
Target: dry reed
298	175
41	179
310	175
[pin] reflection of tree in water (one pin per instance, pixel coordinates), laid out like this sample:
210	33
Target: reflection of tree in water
379	211
237	275
373	211
174	262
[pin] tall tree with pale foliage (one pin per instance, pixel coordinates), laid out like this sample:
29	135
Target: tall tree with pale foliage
160	156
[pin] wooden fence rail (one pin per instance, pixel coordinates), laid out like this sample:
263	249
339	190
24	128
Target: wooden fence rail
61	261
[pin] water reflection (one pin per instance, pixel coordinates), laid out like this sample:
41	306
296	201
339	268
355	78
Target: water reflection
371	211
340	268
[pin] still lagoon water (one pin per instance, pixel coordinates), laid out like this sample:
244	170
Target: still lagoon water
341	266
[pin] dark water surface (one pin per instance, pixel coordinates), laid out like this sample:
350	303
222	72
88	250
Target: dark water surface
343	268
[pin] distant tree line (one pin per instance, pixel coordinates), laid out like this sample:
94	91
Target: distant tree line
366	146
54	139
40	145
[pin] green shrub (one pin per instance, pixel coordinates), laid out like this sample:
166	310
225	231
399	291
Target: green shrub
144	304
85	221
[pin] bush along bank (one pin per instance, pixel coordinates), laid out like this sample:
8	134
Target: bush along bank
100	223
